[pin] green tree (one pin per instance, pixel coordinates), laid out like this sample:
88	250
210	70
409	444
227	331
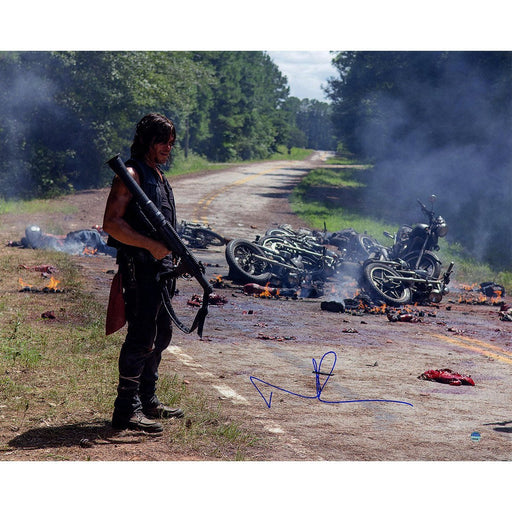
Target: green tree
64	113
246	105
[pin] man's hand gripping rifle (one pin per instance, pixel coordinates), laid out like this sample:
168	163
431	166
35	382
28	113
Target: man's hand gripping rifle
187	261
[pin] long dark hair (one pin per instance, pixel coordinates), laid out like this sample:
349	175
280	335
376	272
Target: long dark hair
152	128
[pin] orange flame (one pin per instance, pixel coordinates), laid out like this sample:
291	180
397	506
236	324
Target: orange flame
266	291
497	297
23	284
53	283
90	251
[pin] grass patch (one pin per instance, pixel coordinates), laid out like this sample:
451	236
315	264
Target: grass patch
204	428
35	206
62	373
294	153
194	163
338	178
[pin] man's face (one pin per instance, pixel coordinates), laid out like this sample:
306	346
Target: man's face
160	152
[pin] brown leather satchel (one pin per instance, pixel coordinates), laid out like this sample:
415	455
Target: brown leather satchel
116	317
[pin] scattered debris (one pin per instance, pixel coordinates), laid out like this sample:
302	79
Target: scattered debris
492	289
44	269
333	306
460	332
505	313
218	282
86	443
214	299
485	294
447	376
400	316
262	336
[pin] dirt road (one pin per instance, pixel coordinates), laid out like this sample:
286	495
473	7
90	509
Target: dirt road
258	356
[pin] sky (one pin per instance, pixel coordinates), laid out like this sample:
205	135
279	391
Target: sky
306	71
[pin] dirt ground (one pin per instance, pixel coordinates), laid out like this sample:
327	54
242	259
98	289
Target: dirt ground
258	356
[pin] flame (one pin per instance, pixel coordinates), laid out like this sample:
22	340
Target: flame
497	297
479	299
90	251
53	283
266	291
378	309
23	284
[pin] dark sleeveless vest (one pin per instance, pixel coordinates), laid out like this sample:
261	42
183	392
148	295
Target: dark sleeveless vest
160	193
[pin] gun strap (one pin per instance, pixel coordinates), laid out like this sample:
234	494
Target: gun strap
200	318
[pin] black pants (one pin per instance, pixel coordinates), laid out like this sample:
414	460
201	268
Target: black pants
149	334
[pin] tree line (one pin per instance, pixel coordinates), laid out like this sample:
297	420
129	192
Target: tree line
429	122
62	114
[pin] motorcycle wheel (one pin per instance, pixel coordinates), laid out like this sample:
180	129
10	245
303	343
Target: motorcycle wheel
202	238
364	245
384	283
429	262
244	266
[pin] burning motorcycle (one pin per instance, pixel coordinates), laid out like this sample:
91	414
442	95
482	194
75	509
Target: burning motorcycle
415	244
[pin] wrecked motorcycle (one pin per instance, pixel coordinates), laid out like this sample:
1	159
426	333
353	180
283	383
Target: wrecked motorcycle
199	236
396	284
415	244
353	246
276	261
314	256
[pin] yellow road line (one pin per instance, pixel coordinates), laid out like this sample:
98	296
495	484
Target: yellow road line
208	199
478	346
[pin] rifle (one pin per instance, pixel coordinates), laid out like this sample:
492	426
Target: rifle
173	242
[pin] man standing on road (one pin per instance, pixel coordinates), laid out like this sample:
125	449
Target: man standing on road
140	258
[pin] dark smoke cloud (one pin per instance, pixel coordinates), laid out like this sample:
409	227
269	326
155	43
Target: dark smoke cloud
451	139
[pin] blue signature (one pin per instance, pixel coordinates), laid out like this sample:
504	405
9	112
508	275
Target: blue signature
319	386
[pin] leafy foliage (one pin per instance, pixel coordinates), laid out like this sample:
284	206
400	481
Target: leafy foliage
63	114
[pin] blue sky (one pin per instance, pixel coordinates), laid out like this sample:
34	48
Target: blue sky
306	71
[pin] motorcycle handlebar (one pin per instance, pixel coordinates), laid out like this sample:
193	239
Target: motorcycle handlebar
425	210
